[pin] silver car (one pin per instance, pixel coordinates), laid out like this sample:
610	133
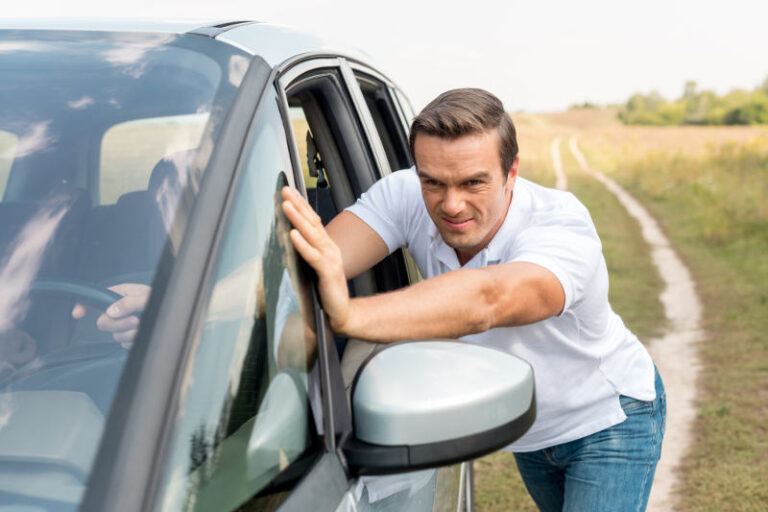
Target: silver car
145	161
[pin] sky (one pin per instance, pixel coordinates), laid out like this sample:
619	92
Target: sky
535	55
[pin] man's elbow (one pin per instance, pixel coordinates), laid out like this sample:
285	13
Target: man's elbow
490	310
524	302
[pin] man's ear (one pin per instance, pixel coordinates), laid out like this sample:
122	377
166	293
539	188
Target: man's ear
512	174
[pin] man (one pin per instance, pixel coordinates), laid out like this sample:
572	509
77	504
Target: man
512	265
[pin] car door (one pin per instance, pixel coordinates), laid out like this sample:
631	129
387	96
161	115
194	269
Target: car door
341	156
388	114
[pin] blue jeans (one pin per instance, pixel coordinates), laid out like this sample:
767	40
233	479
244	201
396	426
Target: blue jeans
611	470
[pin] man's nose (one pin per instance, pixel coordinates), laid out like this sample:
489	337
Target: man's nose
453	202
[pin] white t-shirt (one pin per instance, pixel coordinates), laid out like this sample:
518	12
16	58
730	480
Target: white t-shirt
582	359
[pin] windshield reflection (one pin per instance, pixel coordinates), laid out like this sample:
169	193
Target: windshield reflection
35	137
101	138
22	260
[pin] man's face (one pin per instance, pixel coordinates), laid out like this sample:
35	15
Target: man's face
464	188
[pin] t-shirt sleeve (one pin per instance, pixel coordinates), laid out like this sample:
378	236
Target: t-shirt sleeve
386	207
567	245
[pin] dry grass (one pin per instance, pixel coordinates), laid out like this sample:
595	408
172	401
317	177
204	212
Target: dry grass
709	189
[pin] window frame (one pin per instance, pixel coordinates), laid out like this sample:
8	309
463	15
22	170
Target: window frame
393	113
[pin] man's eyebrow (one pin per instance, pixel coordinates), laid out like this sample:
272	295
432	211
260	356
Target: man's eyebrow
425	176
482	175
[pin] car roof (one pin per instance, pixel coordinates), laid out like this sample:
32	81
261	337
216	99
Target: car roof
274	43
171	26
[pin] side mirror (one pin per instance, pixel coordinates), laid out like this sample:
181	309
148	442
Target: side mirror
432	403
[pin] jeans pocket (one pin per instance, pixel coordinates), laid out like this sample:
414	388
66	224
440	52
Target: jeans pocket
633	404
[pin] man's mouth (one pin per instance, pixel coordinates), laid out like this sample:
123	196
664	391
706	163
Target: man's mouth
456	223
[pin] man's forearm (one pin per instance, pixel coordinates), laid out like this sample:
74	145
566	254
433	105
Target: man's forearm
456	304
447	306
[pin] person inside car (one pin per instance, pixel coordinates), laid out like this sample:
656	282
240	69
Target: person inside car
294	343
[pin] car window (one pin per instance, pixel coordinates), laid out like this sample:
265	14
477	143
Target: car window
9	144
131	150
385	117
249	415
313	164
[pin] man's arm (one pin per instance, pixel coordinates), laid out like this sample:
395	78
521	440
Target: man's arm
458	303
360	245
454	304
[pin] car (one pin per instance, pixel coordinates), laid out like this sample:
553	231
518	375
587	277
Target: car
150	157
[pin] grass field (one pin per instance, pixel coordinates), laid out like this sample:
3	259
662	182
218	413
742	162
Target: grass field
708	187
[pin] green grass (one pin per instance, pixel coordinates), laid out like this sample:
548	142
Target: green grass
714	207
498	486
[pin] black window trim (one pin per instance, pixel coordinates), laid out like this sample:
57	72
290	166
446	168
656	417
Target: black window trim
337	416
364	115
404	111
400	146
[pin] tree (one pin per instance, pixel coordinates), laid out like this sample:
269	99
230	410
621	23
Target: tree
690	90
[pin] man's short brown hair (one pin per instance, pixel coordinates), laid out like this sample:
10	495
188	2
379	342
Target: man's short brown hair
460	112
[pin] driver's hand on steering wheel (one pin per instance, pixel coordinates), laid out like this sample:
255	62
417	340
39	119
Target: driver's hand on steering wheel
119	318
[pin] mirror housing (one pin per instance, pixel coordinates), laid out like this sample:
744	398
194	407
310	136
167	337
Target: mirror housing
431	403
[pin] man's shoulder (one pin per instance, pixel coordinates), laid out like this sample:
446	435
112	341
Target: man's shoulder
549	203
405	178
400	189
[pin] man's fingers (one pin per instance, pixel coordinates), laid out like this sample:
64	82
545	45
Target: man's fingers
302	206
78	311
309	253
125	337
106	323
313	233
126	306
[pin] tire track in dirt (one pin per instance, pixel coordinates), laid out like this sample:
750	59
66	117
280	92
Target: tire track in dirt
675	352
557	164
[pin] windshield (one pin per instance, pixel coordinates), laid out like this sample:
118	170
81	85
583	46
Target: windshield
101	135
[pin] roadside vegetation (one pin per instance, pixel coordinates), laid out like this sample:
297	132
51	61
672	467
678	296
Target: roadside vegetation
708	187
694	107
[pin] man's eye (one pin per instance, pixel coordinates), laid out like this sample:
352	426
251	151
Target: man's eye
474	183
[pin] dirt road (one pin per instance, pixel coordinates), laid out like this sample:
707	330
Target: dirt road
675	352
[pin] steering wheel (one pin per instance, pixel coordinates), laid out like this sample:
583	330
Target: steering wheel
87	293
69	367
93	369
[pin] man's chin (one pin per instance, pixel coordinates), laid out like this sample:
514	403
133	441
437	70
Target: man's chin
458	242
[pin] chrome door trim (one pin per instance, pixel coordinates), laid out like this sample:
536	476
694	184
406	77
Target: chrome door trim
291	71
371	133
